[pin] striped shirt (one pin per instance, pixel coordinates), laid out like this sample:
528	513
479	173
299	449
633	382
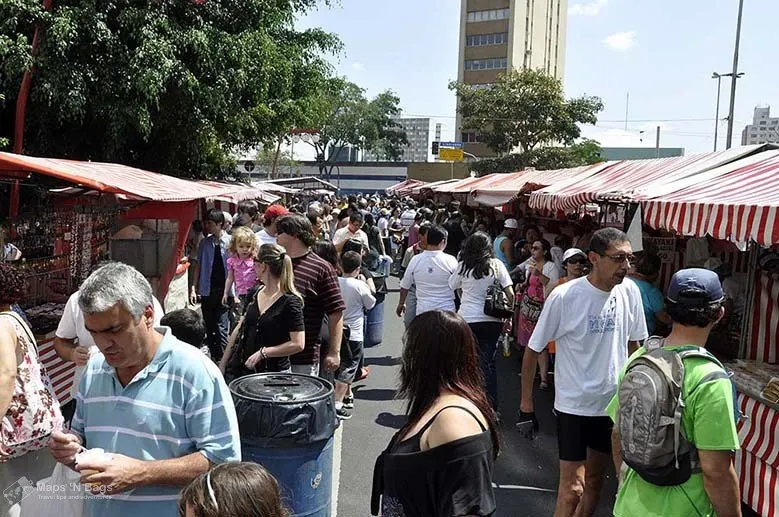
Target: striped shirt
316	280
179	404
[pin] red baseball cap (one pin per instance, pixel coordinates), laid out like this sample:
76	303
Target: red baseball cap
274	211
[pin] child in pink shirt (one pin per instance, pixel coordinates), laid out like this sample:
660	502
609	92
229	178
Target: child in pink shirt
240	264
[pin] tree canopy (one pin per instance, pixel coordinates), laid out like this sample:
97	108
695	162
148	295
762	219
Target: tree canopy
171	86
585	152
345	117
524	110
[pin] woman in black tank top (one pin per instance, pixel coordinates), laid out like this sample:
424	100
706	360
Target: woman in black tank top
440	463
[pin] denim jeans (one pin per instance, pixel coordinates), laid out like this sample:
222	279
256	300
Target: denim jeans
487	334
217	320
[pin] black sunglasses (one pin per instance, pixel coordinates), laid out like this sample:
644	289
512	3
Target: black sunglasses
580	261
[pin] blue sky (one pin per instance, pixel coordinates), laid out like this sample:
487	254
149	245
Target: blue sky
663	52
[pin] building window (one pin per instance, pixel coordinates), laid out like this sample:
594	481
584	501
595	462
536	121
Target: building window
469	138
762	122
480	40
488	16
492	63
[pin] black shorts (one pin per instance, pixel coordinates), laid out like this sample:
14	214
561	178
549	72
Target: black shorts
576	434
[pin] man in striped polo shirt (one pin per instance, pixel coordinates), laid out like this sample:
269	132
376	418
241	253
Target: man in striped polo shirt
158	407
317	282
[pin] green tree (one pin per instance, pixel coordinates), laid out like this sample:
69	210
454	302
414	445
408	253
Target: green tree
585	152
345	117
524	110
172	86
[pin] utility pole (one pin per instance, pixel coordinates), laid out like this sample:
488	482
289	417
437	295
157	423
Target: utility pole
731	113
718	77
657	143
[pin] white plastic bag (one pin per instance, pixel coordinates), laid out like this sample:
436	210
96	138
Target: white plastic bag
60	494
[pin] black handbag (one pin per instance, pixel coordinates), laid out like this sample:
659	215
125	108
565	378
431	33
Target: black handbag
496	303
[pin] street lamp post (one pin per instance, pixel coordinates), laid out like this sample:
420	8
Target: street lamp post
731	112
719	77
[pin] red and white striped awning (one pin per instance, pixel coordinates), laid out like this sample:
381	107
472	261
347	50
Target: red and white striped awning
631	179
108	177
404	188
431	186
737	202
511	185
234	193
465	186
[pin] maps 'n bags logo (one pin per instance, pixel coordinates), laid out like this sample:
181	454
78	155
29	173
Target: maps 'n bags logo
18	490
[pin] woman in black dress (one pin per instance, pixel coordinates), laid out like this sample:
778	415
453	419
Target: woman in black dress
272	328
440	463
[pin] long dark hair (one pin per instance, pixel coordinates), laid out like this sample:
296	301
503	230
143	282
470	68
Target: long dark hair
442	360
476	255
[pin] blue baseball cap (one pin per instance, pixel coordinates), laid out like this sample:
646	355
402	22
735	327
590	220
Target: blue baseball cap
695	286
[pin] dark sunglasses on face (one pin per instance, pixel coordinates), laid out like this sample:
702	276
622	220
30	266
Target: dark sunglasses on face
577	261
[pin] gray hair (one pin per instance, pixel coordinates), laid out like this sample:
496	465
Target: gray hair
115	283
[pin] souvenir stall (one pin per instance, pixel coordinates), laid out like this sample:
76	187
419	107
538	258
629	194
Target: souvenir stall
712	210
740	203
63	232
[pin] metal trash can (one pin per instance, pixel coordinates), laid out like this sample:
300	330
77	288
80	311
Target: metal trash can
287	422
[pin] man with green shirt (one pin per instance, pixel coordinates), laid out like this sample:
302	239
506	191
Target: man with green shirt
694	304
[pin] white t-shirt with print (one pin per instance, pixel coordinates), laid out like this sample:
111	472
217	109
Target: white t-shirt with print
71	326
430	272
358	299
343	234
475	290
592	329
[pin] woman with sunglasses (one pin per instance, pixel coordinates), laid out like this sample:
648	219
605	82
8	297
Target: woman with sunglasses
542	276
575	266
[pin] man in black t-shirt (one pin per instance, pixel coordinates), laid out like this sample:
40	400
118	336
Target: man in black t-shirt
456	237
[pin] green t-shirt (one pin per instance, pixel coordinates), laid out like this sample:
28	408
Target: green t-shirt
708	423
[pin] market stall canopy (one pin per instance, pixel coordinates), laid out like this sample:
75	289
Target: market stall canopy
274	188
509	186
108	177
431	186
403	188
235	192
464	186
620	181
737	202
305	184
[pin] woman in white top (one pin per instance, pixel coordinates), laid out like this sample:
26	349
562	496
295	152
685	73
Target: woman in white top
476	272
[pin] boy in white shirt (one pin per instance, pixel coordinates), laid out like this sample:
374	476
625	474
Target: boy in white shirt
358	298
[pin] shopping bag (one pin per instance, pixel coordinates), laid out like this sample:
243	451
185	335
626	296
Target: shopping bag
60	494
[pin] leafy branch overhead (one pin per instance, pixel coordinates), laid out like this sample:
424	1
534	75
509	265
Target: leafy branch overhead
524	110
345	117
172	86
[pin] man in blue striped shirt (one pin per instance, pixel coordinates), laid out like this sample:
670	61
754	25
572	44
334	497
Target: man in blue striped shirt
158	407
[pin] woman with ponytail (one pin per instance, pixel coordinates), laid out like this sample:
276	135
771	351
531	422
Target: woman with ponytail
272	328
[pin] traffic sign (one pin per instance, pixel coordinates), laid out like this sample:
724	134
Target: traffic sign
450	155
450	145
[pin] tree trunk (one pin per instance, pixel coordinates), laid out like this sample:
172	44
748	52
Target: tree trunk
275	166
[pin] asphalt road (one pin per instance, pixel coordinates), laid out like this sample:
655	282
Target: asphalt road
526	472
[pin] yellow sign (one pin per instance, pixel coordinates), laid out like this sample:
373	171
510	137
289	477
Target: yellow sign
450	155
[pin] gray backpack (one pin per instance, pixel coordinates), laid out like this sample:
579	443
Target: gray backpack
651	404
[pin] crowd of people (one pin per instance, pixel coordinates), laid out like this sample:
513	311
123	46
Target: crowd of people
287	289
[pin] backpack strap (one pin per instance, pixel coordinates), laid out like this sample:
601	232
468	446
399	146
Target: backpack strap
653	343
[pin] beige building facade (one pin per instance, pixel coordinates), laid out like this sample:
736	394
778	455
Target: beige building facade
499	35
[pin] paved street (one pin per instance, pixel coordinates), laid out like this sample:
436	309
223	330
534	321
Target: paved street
526	472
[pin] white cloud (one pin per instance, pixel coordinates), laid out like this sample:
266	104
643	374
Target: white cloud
592	8
359	67
621	41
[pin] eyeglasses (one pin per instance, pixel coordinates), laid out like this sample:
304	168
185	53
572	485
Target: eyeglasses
211	490
619	259
578	261
536	248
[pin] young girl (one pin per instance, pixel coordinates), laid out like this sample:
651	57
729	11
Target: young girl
240	265
233	490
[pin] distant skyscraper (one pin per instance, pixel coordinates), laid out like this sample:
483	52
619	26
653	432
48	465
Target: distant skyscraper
418	136
763	130
501	35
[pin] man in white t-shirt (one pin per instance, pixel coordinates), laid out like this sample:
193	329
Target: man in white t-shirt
73	342
353	230
597	322
268	234
430	272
